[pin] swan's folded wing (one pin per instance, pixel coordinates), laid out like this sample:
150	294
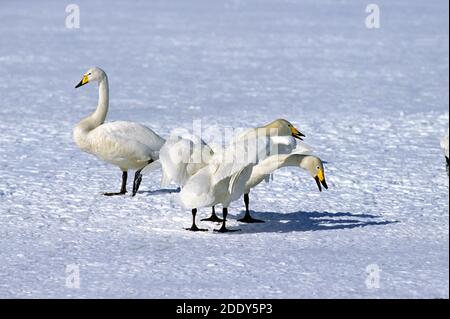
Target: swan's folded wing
229	161
120	150
239	154
135	131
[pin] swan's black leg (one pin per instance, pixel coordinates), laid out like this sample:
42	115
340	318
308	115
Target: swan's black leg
137	181
248	218
194	226
123	189
224	228
213	218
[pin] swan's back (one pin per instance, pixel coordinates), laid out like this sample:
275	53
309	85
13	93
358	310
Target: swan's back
135	131
125	144
198	190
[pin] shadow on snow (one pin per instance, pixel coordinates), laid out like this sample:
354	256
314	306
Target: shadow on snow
160	191
310	221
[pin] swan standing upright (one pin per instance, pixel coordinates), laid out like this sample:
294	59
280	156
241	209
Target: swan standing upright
128	145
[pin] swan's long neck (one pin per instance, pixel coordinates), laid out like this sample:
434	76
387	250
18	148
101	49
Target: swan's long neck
295	160
99	116
272	163
95	119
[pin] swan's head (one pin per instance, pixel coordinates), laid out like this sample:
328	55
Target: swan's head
285	129
92	75
315	168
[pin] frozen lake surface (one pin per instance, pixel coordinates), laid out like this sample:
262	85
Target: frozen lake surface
373	103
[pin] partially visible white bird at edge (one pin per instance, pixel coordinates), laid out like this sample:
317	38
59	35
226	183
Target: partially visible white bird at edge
444	145
127	145
223	179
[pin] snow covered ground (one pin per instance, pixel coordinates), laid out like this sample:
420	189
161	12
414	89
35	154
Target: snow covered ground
374	104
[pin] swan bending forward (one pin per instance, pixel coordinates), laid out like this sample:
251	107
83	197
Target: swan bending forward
263	170
128	145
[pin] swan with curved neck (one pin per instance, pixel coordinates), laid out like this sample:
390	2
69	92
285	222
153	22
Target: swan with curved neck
128	145
312	164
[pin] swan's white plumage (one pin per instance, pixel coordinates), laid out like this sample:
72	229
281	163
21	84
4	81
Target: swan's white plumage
127	145
211	186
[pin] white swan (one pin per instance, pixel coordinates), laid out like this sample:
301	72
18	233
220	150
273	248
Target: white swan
182	157
223	179
264	169
444	145
128	145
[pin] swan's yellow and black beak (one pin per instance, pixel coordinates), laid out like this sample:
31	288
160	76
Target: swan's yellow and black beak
83	81
297	134
320	180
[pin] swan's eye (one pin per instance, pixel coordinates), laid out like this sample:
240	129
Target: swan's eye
89	73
